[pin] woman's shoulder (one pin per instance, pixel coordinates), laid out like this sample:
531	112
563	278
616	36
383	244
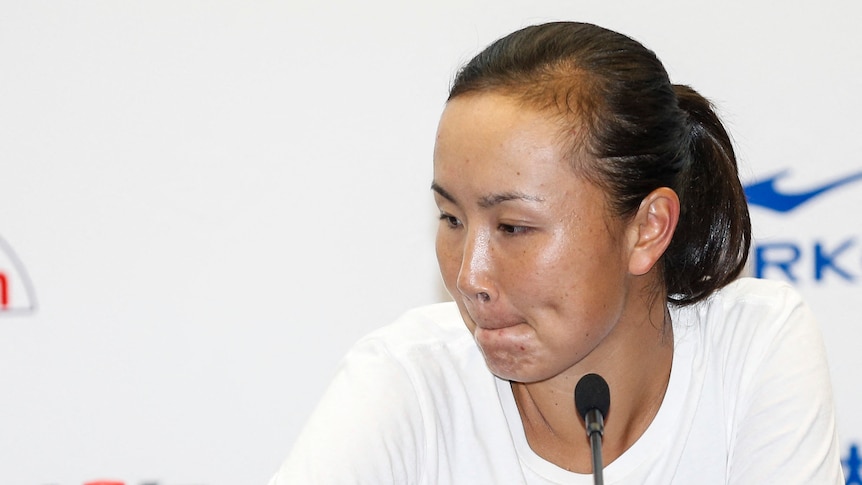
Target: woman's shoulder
758	367
747	316
743	300
759	302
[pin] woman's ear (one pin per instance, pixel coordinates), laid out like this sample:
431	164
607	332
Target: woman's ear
652	229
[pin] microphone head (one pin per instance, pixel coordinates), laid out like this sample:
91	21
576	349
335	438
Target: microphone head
592	393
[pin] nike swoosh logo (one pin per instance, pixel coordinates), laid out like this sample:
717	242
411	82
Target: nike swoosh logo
765	194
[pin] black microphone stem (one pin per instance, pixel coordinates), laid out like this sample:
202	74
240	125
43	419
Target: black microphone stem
595	429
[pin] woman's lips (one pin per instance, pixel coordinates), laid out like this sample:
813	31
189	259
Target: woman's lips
491	321
495	325
487	322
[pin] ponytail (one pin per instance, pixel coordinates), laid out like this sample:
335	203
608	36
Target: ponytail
713	236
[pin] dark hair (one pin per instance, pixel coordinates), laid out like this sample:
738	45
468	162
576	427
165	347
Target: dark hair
639	133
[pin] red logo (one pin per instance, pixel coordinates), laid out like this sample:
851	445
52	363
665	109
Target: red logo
16	291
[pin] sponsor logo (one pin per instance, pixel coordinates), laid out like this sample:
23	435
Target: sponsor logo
119	482
764	193
818	259
852	466
16	291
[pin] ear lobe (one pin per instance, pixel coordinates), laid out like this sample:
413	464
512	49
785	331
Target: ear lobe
652	229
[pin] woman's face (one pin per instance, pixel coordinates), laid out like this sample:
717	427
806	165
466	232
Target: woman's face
526	247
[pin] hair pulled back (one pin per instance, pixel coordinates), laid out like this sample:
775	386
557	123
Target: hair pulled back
632	132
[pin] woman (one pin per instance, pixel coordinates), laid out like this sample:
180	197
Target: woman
591	221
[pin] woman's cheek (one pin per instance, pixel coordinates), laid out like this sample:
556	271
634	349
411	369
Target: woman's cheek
448	262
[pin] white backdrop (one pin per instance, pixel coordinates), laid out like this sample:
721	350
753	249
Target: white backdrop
203	204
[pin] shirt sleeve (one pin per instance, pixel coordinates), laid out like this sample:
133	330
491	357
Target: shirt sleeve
785	421
365	430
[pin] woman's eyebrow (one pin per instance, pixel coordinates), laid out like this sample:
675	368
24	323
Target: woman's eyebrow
440	190
494	199
490	200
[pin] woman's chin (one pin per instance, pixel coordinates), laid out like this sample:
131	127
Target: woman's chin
517	368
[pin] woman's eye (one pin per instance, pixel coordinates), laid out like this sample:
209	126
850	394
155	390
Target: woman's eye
450	221
512	229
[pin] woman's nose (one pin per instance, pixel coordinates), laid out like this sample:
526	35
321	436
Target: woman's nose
474	276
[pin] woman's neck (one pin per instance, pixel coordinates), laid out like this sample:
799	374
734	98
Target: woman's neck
635	359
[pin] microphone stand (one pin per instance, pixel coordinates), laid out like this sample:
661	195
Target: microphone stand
595	430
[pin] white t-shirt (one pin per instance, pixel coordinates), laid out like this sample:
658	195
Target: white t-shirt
749	401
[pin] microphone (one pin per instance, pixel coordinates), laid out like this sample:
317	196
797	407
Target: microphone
592	400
